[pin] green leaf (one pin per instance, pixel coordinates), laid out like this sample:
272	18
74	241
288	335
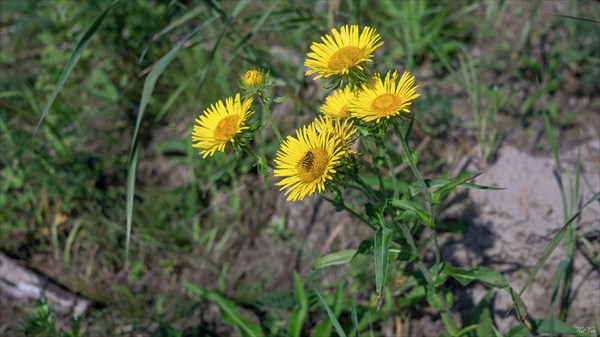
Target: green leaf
488	277
433	298
334	259
248	37
229	312
543	326
468	329
412	158
440	187
297	316
262	166
382	250
561	269
481	317
324	328
551	139
172	145
239	7
331	315
365	247
75	56
491	279
280	99
147	91
355	320
413	297
413	207
553	244
580	18
190	14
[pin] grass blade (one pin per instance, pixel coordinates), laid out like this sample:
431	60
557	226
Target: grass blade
355	319
551	139
147	91
553	244
558	274
577	18
297	316
332	318
248	37
85	40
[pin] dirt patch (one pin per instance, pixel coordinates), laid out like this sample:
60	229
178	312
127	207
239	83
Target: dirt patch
514	226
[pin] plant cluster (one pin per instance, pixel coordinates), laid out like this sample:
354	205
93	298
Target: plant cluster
363	110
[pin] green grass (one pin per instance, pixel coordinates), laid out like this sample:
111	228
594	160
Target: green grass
97	100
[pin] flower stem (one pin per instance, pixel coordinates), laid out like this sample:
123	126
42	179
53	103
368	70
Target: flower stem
449	323
351	210
388	162
417	173
374	161
270	116
371	194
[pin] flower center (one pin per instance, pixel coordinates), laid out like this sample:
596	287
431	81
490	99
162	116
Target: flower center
227	128
344	113
385	104
313	165
345	58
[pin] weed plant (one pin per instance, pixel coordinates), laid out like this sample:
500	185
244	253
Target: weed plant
100	174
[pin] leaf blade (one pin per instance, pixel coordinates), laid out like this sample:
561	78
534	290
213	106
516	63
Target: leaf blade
147	91
75	56
382	250
331	315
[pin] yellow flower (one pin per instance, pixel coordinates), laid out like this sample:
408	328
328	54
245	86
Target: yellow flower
219	124
253	78
306	162
343	52
337	104
339	129
385	98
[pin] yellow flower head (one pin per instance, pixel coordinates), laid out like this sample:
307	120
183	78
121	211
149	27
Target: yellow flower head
385	99
306	162
339	129
253	78
219	124
337	105
345	51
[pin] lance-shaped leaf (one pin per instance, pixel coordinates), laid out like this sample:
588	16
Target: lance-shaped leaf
413	207
382	251
297	316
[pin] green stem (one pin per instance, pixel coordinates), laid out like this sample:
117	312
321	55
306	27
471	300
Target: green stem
371	194
351	210
449	323
374	161
421	181
411	242
388	162
270	116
